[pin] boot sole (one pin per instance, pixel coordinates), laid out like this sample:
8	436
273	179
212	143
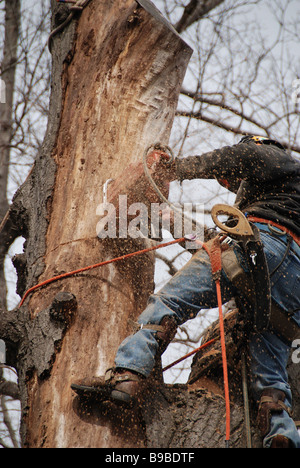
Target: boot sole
103	394
93	393
122	397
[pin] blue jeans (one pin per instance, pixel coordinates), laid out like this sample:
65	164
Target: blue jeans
193	288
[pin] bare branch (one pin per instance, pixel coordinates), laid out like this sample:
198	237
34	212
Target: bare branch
9	389
194	11
7	422
11	327
222	105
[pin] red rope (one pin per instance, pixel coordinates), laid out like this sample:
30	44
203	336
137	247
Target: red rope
214	251
278	226
97	265
224	360
188	355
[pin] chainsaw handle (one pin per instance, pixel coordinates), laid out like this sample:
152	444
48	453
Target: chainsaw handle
242	228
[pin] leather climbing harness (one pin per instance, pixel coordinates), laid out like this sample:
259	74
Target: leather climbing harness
274	317
247	237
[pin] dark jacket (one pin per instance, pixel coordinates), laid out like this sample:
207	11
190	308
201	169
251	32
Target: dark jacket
265	178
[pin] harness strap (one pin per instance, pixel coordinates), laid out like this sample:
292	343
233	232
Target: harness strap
150	326
214	250
279	403
113	378
271	402
296	238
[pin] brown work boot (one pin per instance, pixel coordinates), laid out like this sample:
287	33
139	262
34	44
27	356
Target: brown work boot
123	385
271	402
280	441
118	385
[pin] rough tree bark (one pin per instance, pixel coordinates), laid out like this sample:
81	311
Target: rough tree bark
117	74
8	72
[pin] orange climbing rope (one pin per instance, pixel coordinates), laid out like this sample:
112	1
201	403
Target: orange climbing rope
214	251
97	265
196	350
224	360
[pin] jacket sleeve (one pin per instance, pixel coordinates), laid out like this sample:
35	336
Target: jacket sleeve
250	162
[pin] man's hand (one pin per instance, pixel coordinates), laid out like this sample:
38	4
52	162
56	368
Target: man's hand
157	157
161	165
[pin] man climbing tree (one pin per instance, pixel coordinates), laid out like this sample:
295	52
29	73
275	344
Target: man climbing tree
267	180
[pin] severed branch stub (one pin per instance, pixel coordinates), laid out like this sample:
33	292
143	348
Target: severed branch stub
63	307
45	334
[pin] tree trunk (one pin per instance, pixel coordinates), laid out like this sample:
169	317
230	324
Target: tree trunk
8	71
115	91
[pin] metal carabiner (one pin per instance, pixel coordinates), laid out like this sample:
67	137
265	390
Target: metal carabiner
242	229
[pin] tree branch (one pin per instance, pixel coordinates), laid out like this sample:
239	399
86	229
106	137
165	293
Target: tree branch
217	123
7	422
222	105
220	123
194	11
10	389
12	331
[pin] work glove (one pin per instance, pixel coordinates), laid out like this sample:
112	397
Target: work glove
157	157
161	165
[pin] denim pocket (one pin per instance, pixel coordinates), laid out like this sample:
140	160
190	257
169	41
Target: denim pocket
274	250
285	283
295	290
